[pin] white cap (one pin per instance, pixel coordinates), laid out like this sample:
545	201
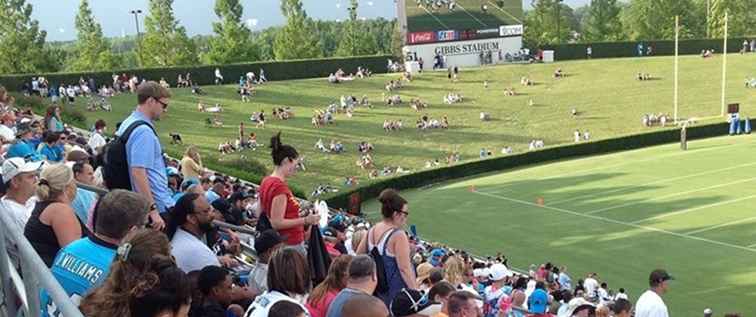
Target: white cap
16	165
499	272
484	272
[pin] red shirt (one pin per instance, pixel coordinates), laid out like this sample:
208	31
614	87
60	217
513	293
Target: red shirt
269	189
320	309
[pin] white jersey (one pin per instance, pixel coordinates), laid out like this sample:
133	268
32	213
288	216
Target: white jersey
650	304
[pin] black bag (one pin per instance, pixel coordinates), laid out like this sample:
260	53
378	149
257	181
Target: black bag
263	223
115	165
380	270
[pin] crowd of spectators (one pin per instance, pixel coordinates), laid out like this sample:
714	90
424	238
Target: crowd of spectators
155	249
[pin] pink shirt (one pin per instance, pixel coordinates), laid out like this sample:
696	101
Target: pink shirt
321	308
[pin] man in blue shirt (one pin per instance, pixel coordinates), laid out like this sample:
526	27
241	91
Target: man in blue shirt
85	263
144	152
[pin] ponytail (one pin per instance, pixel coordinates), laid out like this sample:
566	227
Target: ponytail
280	151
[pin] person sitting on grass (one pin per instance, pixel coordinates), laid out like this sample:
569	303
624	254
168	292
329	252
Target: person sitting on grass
364	147
558	73
336	147
321	146
196	90
509	92
485	116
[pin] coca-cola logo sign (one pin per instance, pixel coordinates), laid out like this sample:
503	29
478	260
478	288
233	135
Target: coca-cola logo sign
421	37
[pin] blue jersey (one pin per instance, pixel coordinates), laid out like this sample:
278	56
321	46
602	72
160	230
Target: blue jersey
79	267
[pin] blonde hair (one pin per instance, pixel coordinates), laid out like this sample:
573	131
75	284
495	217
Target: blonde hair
193	153
357	237
53	181
454	269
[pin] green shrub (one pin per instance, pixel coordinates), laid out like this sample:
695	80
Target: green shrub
519	160
39	106
204	75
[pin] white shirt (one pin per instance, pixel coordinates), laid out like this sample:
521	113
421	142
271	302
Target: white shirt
20	215
591	284
620	296
262	304
650	304
7	133
96	140
259	276
191	253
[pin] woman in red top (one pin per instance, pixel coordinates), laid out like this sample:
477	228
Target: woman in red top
277	201
322	295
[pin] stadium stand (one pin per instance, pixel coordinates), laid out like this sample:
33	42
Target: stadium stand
228	221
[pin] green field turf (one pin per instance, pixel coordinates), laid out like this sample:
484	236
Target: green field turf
620	215
610	100
468	15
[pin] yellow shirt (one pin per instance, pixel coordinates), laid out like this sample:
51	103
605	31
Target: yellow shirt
190	168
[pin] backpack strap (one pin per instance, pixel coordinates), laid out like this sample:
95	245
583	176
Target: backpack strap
388	237
127	133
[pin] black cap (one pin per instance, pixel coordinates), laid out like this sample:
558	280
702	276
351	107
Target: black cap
221	205
659	276
267	240
408	302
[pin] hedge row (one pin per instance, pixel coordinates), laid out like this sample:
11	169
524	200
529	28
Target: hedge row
630	49
550	154
205	75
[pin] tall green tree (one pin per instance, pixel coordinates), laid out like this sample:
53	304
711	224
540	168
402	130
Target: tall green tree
22	43
92	49
602	23
655	19
356	40
165	42
297	38
741	15
232	42
549	22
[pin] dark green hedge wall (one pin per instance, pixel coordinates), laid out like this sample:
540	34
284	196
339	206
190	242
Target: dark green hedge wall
630	49
550	154
204	75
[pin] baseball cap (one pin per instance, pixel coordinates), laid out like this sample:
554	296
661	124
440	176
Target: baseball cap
16	165
577	304
435	256
483	272
499	271
658	276
538	301
408	302
267	240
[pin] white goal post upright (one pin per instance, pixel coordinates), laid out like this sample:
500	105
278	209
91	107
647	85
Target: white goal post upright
724	65
677	39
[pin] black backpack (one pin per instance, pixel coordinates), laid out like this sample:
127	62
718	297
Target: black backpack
115	165
380	268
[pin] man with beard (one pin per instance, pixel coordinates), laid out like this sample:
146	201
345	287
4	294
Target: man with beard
191	221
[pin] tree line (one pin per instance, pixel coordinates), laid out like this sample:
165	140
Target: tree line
164	42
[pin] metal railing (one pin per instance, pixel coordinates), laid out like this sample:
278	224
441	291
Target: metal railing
21	295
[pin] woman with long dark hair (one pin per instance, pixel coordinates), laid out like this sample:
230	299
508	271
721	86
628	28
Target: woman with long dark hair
53	122
288	280
278	203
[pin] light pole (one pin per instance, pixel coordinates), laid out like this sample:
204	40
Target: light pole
558	19
136	14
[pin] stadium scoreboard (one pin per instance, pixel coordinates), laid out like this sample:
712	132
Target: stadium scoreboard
464	32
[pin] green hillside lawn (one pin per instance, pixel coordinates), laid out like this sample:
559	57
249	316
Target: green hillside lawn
620	215
609	99
468	15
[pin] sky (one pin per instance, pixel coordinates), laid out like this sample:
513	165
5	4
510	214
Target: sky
57	16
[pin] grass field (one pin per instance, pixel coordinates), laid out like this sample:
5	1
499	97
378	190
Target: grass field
620	215
610	100
467	16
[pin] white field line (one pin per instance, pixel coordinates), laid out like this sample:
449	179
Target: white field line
721	225
505	12
752	245
660	181
472	16
435	17
670	195
675	213
604	219
590	158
